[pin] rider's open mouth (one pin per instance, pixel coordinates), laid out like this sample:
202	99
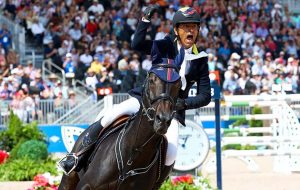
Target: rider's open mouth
189	37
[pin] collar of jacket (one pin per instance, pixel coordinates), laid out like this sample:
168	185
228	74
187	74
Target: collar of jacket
194	47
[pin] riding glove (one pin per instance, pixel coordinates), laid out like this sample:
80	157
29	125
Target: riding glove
149	11
180	104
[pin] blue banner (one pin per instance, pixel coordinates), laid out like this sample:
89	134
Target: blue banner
61	138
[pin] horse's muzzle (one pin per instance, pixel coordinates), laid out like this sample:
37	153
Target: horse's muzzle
162	123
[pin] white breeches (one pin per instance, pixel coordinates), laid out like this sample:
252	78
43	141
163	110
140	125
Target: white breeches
131	106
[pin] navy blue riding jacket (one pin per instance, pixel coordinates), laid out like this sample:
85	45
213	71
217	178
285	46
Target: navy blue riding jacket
198	72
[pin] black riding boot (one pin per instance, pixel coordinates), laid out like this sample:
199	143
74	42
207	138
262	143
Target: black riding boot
83	146
163	176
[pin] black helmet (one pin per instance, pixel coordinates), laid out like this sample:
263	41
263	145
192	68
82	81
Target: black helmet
186	15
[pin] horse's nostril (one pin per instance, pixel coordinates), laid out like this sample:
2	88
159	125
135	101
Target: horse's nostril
163	119
169	122
158	118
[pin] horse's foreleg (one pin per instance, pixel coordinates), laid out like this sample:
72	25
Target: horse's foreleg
163	176
69	182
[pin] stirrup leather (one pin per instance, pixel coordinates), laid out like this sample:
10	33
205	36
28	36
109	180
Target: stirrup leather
73	155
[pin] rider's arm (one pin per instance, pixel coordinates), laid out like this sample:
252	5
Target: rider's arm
203	96
139	42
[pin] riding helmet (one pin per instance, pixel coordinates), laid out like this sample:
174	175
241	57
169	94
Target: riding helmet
186	15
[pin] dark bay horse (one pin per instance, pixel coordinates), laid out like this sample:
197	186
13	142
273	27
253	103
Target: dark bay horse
131	157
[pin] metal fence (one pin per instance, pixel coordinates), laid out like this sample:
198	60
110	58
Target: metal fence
18	36
85	111
44	111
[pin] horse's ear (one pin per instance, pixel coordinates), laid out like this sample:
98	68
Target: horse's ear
155	54
179	58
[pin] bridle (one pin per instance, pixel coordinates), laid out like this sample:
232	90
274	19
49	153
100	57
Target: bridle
149	109
149	105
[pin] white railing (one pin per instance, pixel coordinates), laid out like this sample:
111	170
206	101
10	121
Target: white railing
89	116
282	138
46	71
44	111
76	111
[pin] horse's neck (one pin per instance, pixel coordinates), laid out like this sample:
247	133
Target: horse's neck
141	131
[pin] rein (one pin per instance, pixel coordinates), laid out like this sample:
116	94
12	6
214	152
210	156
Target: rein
125	174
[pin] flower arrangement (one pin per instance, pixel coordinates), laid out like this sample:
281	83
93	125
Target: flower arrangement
3	156
45	182
186	182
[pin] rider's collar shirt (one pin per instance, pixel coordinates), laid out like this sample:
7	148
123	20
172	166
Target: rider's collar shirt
184	66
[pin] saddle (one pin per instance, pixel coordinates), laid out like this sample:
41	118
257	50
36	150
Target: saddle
118	125
119	122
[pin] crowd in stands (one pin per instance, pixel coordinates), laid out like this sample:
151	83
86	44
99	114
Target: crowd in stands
253	44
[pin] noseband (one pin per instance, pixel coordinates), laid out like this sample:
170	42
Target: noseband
150	110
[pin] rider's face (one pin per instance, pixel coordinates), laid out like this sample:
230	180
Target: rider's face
187	34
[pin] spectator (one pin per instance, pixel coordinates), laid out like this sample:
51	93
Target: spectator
230	85
204	30
91	79
96	65
38	84
59	88
69	66
37	30
4	69
96	8
72	99
224	52
75	32
30	70
131	21
134	64
5	38
6	93
51	55
234	59
170	13
262	31
147	63
52	80
91	26
236	35
162	31
86	58
12	59
248	37
123	63
270	44
64	49
10	9
104	26
59	105
107	63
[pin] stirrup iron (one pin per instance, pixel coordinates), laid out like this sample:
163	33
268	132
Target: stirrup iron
65	159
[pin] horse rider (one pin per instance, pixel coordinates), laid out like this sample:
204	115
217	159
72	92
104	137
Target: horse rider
194	69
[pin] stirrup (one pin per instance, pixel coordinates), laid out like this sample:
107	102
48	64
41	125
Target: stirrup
65	159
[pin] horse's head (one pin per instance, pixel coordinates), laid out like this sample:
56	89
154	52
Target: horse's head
159	98
161	90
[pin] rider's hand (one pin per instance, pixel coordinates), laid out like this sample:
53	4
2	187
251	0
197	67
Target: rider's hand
149	11
180	104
